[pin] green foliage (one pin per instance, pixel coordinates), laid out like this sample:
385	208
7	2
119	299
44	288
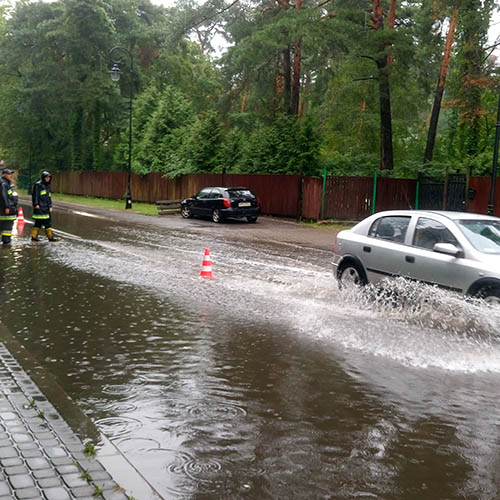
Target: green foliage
195	113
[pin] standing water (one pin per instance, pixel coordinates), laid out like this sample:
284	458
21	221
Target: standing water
266	382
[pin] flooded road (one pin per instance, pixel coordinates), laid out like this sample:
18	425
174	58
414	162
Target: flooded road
266	382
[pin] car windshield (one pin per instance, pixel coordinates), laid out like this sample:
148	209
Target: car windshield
484	234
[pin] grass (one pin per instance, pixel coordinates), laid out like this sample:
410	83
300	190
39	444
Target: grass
137	207
329	224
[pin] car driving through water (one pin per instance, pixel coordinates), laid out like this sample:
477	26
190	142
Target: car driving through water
220	203
454	250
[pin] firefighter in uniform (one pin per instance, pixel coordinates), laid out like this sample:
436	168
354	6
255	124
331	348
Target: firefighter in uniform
42	208
8	204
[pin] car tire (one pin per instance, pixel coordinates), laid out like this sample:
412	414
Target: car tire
490	294
216	216
186	212
252	218
350	274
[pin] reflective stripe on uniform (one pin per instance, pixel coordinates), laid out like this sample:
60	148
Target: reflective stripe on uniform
6	234
43	192
41	216
8	217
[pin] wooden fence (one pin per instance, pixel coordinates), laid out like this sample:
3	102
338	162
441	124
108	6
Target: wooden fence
342	198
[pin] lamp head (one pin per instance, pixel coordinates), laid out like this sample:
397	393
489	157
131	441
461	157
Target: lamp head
115	72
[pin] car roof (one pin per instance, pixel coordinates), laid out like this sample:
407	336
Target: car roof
443	213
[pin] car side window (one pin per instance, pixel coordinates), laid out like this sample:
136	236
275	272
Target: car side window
392	228
215	193
428	232
204	193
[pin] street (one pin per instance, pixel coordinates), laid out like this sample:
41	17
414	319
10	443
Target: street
265	382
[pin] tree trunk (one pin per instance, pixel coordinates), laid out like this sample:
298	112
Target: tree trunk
295	94
438	96
386	152
287	84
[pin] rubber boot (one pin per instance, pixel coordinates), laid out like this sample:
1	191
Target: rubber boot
6	241
34	234
50	235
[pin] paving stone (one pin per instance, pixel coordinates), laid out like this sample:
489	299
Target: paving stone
106	485
8	452
28	493
4	488
83	491
22	438
20	481
17	469
50	482
68	469
74	480
27	446
7	416
45	434
62	461
56	494
38	463
8	462
44	473
5	441
55	452
49	443
100	475
70	439
90	465
115	495
31	453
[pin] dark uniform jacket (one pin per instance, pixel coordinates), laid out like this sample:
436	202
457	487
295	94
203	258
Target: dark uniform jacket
8	199
41	197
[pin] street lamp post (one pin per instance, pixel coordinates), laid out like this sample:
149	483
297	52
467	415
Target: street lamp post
493	181
115	76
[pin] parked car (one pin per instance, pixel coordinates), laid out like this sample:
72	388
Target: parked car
220	203
455	250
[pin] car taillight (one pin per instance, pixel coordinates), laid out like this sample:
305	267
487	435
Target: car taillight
227	203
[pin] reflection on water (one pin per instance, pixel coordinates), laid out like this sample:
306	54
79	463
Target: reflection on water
265	383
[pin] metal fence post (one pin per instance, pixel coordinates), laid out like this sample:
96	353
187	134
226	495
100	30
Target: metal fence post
374	199
417	195
323	195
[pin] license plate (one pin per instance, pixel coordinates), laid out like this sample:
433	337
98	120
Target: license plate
244	204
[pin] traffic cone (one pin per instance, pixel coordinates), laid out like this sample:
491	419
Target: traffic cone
20	216
206	266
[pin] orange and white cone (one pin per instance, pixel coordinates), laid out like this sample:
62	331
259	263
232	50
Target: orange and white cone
20	216
206	266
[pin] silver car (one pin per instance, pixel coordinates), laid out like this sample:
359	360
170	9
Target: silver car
455	250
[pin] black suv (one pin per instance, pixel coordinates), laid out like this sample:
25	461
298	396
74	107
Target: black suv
222	202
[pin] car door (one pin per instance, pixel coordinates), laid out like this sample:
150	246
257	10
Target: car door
383	251
199	206
422	263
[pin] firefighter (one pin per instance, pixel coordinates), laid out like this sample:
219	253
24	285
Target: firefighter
8	204
42	208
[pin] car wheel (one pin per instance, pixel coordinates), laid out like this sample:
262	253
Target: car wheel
216	216
490	294
351	274
252	218
186	212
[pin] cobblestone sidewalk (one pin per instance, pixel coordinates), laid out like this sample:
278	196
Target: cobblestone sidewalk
40	456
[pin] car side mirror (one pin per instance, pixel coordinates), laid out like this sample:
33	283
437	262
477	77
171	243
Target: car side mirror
447	249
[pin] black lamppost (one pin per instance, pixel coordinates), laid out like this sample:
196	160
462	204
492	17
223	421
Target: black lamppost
115	76
493	181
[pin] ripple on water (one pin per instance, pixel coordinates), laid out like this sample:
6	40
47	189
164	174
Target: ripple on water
196	468
116	427
224	410
137	445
